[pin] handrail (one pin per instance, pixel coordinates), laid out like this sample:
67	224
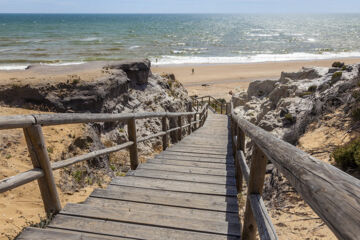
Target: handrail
42	170
217	102
333	194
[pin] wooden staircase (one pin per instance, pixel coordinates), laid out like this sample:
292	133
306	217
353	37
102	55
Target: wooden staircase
186	192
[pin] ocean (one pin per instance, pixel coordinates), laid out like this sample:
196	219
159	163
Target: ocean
60	39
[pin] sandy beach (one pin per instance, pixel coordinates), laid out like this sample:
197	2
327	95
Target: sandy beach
222	78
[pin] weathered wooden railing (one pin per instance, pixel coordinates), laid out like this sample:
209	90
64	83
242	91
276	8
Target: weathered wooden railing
43	168
214	103
330	192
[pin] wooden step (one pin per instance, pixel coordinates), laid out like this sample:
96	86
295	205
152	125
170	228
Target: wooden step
178	186
187	177
58	234
169	210
130	230
215	165
168	198
158	219
195	168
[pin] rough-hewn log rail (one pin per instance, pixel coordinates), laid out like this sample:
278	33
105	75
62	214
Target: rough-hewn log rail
43	168
330	192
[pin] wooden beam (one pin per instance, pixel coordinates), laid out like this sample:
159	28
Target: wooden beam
263	221
179	136
239	176
90	155
20	179
134	161
256	184
189	117
333	194
40	159
165	138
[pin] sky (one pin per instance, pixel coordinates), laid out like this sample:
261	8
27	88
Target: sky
179	6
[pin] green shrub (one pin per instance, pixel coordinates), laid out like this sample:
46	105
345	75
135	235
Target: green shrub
303	94
312	88
50	149
289	117
348	155
355	114
356	95
336	77
338	64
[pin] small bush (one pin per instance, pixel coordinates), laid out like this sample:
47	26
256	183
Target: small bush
348	155
50	149
356	95
355	114
288	117
338	64
312	88
76	81
336	77
303	94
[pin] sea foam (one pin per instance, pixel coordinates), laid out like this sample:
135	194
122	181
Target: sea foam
300	56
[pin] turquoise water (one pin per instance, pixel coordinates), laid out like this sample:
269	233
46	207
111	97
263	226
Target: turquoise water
175	39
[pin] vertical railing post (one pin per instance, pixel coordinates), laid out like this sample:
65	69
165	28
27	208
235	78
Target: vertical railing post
209	100
134	161
240	139
195	119
40	159
189	117
180	130
256	184
221	106
165	138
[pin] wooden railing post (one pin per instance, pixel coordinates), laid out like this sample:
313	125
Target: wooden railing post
256	184
195	119
240	143
134	161
209	101
221	107
165	138
40	159
179	137
189	117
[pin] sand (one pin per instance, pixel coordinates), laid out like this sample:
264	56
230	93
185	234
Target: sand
223	78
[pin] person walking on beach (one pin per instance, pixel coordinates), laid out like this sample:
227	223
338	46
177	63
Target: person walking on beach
192	71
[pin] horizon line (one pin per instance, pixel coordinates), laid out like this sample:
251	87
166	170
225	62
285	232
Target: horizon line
174	13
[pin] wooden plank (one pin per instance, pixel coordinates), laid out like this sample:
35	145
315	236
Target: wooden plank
16	121
256	184
228	160
165	138
177	186
169	198
187	169
169	210
120	229
134	161
188	177
179	133
263	221
40	159
159	219
333	194
227	166
58	234
91	155
198	152
20	179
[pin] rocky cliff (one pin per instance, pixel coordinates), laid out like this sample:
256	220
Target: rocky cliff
122	87
300	103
